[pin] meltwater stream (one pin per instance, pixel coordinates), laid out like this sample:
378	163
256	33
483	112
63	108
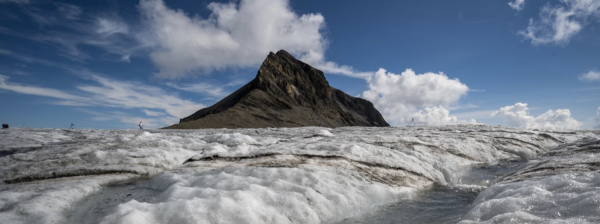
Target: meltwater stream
440	204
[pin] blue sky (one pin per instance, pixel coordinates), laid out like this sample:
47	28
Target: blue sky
111	64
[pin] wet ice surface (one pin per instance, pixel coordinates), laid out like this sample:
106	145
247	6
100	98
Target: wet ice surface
285	175
95	207
560	186
441	204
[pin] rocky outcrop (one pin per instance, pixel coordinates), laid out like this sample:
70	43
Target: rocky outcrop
285	93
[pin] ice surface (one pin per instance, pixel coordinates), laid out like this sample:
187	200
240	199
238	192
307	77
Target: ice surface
563	198
49	201
441	204
560	186
258	195
283	175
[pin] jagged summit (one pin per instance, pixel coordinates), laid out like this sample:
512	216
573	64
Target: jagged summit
285	93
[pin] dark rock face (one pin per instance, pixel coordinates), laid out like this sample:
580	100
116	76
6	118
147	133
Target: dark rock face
285	93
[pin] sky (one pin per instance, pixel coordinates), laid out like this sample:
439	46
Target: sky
111	64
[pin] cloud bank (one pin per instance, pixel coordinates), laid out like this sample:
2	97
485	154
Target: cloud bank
518	116
558	24
400	97
106	92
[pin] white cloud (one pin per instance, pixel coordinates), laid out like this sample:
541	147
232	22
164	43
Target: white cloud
518	116
559	23
68	10
590	76
39	91
108	92
68	35
436	116
517	5
237	34
204	88
399	97
317	60
110	26
114	93
153	113
234	35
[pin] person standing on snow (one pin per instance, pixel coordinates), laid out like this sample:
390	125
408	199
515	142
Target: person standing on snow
141	125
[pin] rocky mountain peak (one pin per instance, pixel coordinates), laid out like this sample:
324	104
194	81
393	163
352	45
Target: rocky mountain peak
286	93
282	73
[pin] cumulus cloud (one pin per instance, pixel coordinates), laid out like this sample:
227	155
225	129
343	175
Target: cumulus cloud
590	76
400	98
517	5
559	23
518	116
438	115
112	93
233	35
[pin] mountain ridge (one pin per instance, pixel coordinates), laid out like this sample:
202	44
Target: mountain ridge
286	92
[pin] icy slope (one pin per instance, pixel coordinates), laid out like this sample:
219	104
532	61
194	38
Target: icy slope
560	186
285	175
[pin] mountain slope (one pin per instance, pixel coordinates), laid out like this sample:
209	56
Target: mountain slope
285	93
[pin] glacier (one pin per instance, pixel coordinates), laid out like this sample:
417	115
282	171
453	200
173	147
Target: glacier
293	175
